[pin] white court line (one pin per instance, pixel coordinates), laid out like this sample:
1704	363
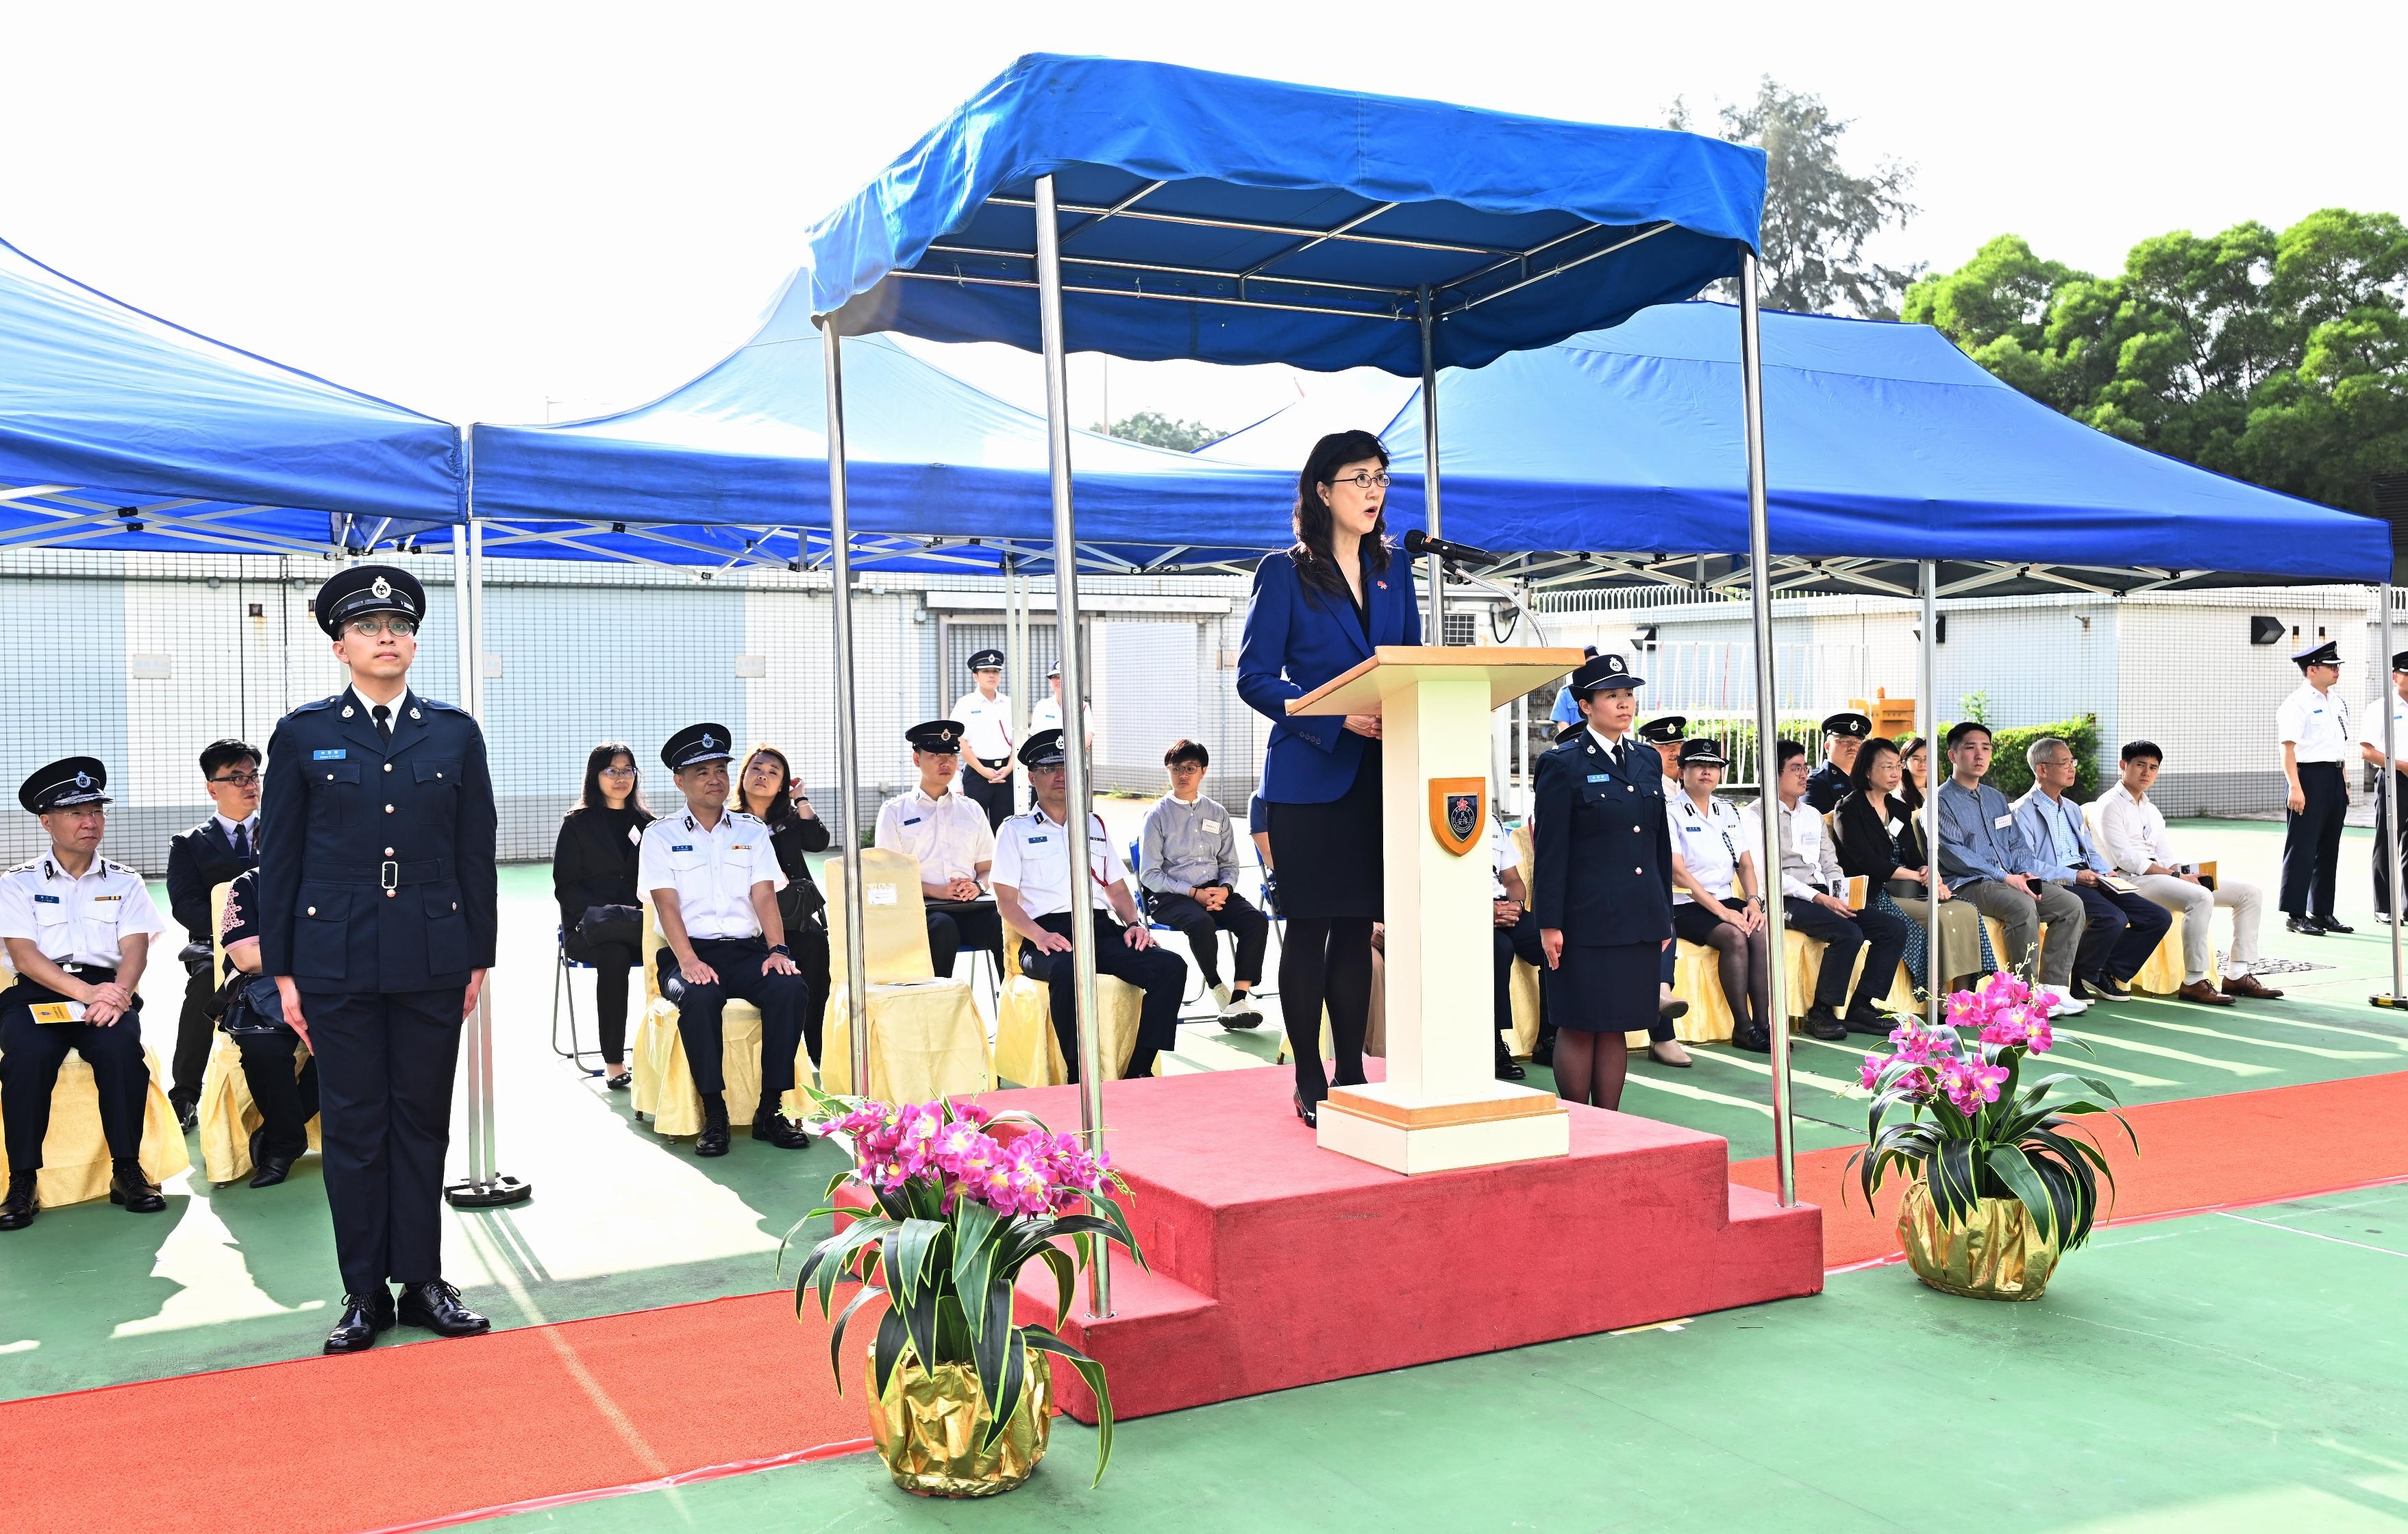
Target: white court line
1680	1089
2265	1043
2053	1062
1838	1088
2234	1067
2311	1235
2391	1038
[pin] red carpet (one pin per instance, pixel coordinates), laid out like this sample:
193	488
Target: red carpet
2196	1153
434	1430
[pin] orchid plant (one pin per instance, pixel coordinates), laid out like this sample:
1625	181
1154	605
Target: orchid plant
951	1202
1951	1102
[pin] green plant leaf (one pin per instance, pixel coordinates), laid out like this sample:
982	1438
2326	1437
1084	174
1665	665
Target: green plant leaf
887	1350
917	1306
1044	1341
836	1336
1066	1282
995	1341
910	1253
2017	1172
1117	1224
1004	1399
974	1226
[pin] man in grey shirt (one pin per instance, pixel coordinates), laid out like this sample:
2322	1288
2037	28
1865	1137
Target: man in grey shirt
1187	871
1984	859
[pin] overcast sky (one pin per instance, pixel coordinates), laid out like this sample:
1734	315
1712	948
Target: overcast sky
522	211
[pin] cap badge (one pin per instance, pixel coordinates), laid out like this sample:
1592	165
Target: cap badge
83	780
706	742
381	588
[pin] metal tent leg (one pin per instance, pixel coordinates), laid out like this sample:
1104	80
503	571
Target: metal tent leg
1767	724
848	760
2389	850
1935	982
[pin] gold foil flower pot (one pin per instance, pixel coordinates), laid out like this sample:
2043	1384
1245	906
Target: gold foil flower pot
1999	1253
929	1423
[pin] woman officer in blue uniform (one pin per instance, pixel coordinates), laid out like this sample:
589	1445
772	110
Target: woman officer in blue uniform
1603	870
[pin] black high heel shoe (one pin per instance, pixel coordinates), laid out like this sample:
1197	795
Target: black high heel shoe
1309	1115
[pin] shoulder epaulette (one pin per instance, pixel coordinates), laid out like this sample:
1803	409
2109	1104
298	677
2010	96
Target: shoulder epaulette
320	703
742	815
438	703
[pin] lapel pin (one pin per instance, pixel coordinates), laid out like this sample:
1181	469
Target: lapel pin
413	713
347	710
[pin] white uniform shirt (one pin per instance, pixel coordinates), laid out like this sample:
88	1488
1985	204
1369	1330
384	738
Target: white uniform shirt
986	724
77	920
949	835
2315	723
2370	729
1709	845
1502	856
2132	832
1032	854
1048	716
713	871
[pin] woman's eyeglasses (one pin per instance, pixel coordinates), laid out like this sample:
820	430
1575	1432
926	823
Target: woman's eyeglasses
618	772
1363	480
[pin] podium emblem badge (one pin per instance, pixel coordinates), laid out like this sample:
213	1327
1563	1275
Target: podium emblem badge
1459	809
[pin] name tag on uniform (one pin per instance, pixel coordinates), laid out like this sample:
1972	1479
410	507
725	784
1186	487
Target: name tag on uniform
1600	776
1211	825
335	755
680	846
46	900
57	1012
914	821
2002	823
1034	841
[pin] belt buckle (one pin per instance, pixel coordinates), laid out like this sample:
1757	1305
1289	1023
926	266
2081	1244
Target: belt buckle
389	876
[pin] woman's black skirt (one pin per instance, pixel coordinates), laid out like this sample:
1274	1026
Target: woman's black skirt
1602	990
1329	856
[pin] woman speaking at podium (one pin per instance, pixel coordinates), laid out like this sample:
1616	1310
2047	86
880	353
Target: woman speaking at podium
1317	609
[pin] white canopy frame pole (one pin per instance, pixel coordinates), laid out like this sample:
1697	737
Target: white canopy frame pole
848	758
485	1187
1074	693
1767	726
1935	974
2389	850
1437	568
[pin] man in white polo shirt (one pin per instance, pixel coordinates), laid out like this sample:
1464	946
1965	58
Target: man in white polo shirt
2132	831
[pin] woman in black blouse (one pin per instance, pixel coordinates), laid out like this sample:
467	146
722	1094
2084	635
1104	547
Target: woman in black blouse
1877	835
594	863
767	789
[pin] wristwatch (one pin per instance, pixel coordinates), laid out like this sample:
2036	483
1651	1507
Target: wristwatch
782	947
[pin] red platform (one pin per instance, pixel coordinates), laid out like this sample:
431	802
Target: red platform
1276	1263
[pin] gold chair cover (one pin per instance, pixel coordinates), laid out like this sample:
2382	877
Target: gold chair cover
663	1086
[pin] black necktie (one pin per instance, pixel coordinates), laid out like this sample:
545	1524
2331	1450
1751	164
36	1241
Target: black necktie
383	717
241	842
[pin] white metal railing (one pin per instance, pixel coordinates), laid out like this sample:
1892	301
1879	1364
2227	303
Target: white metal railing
1629	598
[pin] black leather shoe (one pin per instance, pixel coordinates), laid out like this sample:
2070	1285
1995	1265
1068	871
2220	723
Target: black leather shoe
621	1081
1543	1051
2331	925
188	1114
132	1191
272	1170
1754	1040
18	1210
1823	1024
363	1316
2102	988
2306	926
1509	1070
772	1128
1309	1112
1866	1018
435	1306
713	1138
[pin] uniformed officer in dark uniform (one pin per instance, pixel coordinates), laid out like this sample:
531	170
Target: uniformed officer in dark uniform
198	861
377	905
1601	882
78	929
1843	735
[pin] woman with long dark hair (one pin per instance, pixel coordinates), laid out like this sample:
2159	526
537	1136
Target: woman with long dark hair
1877	835
769	791
594	863
1318	608
1913	766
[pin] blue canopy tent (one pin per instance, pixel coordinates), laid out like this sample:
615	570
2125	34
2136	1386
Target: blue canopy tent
120	431
1892	445
732	468
1155	211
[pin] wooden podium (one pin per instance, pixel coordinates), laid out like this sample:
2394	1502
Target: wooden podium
1442	1106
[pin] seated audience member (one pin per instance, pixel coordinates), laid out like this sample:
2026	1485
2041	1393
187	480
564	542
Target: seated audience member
77	930
1032	891
1814	900
2121	927
2133	832
198	861
949	834
767	791
1983	858
1880	838
251	1014
1843	735
1713	869
713	878
1518	936
1665	733
594	865
1914	773
1187	872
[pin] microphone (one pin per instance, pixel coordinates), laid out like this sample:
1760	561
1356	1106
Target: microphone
1418	543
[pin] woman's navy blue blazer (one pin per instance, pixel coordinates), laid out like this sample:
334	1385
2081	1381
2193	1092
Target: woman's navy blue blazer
1298	636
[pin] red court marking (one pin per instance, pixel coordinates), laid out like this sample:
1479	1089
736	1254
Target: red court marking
439	1433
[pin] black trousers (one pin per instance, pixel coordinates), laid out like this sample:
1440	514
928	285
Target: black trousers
783	1002
1186	915
1519	941
809	943
2122	932
951	931
2382	859
995	799
1882	933
612	963
286	1102
2311	840
31	1054
1159	974
385	1068
195	1034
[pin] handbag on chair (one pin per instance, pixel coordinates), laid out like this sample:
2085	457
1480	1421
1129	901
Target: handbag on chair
621	924
252	1005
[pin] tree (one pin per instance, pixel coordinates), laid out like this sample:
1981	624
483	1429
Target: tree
2281	359
1817	217
1157	430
